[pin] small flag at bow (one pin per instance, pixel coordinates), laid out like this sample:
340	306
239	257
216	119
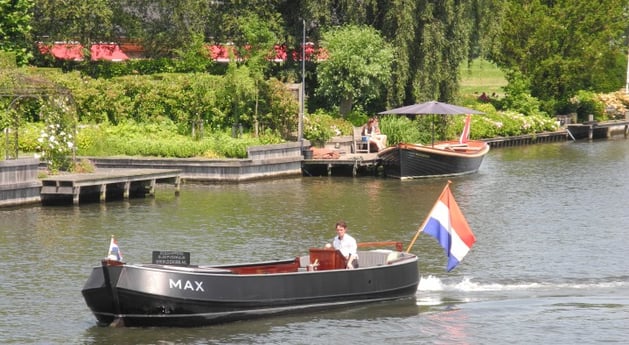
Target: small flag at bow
114	251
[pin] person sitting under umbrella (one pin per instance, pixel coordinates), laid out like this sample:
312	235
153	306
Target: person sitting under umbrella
372	131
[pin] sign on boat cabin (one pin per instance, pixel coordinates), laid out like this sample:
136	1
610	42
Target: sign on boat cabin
171	258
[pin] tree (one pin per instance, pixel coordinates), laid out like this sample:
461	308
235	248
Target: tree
328	13
15	17
563	46
260	38
163	26
85	21
400	26
358	67
440	46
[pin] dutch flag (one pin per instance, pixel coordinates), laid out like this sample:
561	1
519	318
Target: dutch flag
114	251
447	224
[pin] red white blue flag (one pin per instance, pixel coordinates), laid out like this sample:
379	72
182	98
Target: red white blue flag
447	224
114	251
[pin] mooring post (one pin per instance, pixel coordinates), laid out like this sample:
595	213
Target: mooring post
127	186
177	185
103	193
76	191
152	188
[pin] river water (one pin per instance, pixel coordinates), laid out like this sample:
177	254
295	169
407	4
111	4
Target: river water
550	265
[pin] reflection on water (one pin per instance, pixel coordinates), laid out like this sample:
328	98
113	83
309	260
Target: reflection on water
550	223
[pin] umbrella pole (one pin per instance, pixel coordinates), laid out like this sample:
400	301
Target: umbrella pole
433	130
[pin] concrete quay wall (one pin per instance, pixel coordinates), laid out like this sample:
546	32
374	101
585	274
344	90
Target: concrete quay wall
18	182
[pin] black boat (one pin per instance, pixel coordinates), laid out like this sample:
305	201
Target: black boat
408	161
171	292
184	295
445	158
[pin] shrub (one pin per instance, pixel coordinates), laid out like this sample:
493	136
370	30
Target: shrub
588	103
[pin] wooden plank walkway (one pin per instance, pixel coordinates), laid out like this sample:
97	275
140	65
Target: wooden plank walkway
106	182
354	161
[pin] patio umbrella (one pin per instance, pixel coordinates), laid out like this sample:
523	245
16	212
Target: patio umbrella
431	108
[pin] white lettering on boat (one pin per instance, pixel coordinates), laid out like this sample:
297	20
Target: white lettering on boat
186	285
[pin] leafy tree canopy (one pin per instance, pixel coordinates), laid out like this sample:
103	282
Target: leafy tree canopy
564	46
15	27
359	64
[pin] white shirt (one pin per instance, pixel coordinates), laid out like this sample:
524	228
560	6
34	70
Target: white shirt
346	246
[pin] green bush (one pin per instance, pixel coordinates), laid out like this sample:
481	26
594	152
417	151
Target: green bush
321	126
400	129
182	98
157	140
586	103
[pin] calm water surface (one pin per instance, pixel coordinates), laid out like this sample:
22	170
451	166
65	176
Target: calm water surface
549	266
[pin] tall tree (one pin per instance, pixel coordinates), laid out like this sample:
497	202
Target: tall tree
441	42
226	26
259	38
15	18
84	21
400	26
328	13
358	67
486	22
563	46
163	26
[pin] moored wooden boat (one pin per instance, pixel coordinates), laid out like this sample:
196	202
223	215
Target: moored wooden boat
189	295
448	158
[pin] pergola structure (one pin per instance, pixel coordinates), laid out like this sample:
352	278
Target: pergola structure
18	88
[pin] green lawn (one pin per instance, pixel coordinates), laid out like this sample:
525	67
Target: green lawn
481	76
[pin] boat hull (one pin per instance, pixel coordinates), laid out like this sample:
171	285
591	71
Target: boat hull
156	295
409	161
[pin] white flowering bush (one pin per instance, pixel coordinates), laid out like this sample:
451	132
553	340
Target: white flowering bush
55	143
55	146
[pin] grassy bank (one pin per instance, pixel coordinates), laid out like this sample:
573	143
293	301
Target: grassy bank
481	76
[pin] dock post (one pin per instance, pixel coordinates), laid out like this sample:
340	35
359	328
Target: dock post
177	185
103	193
127	187
152	188
76	191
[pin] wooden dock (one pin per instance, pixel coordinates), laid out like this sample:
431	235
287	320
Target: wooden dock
106	184
348	163
595	130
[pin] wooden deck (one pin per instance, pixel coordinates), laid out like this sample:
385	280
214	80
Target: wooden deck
106	183
594	130
355	163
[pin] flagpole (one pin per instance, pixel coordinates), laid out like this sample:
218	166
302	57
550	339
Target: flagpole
421	227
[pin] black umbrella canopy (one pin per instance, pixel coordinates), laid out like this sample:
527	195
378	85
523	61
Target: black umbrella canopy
432	107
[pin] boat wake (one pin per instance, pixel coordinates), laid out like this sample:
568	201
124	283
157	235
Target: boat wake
433	291
434	284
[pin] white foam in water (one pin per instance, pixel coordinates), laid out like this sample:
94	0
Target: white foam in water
433	284
430	283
